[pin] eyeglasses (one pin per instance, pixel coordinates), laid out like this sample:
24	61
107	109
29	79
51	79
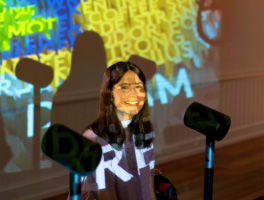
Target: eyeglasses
124	87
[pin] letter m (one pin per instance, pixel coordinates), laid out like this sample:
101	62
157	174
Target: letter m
16	30
163	84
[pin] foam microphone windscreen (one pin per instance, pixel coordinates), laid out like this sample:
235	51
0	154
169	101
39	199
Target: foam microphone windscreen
71	149
207	121
34	72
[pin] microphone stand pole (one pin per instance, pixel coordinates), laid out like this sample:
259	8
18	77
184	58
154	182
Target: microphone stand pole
209	168
36	138
75	186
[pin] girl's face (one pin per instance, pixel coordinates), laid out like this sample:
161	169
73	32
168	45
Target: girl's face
129	95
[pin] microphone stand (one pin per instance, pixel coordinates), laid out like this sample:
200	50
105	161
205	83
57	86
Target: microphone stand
25	70
214	125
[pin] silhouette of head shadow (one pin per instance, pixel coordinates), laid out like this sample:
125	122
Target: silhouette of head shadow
76	102
147	66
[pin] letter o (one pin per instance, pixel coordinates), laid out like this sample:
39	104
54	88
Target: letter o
142	46
35	26
188	22
110	14
136	33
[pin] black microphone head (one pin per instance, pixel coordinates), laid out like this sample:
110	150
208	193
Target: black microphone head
34	72
71	150
207	121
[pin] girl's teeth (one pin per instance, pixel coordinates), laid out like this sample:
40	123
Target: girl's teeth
132	102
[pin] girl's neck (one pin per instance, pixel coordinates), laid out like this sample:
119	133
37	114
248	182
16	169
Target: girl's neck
123	116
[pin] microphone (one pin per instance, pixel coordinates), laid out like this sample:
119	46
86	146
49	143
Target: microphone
207	121
70	149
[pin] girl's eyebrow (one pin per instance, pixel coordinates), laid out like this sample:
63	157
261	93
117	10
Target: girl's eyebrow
131	83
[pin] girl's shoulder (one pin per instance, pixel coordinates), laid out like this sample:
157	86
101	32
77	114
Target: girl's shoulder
88	133
91	135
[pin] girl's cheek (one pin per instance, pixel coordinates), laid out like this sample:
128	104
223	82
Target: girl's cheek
141	93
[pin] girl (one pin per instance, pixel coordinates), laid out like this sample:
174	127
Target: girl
124	131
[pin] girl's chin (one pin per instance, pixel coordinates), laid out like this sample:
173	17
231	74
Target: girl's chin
131	113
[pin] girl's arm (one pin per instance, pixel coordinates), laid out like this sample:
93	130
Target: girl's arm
98	195
106	195
151	185
103	194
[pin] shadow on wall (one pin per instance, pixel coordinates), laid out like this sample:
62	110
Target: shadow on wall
242	41
147	66
5	151
76	101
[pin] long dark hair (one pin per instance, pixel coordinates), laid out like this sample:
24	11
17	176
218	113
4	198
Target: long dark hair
107	124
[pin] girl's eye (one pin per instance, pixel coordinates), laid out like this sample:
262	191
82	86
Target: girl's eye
124	87
140	87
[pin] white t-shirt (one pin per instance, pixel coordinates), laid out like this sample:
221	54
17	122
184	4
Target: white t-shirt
125	123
